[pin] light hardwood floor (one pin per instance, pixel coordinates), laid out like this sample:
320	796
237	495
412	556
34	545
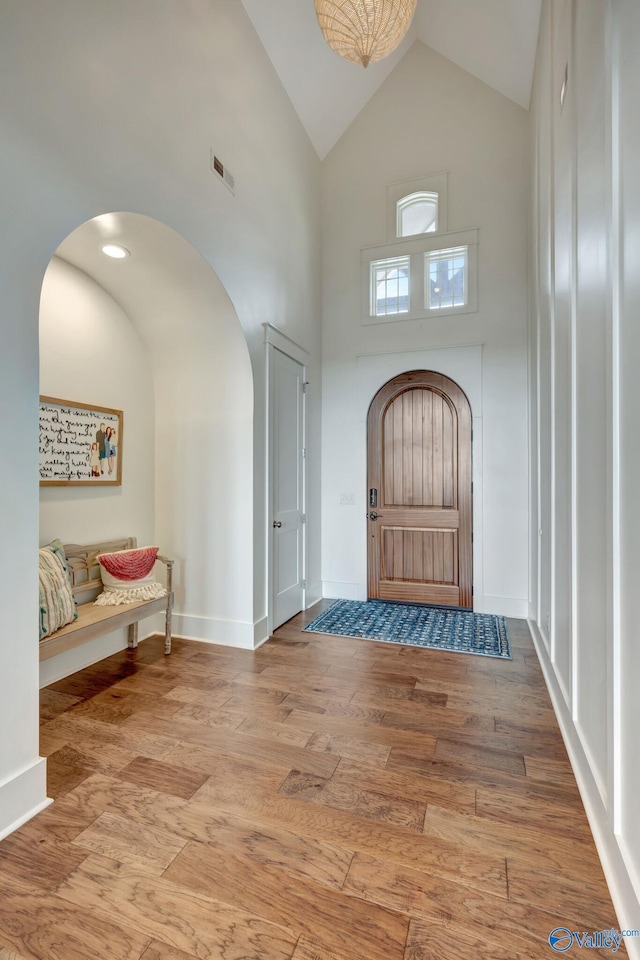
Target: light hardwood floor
320	799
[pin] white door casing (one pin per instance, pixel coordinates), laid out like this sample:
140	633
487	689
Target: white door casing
287	378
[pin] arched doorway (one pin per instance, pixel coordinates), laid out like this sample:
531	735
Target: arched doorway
155	334
419	491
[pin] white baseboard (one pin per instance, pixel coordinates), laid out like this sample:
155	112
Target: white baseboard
517	607
626	899
56	668
633	870
343	590
230	633
23	796
312	595
80	657
260	632
227	633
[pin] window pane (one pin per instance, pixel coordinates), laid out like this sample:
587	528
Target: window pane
418	218
417	213
447	281
390	286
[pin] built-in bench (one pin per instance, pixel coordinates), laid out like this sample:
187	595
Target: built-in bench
94	621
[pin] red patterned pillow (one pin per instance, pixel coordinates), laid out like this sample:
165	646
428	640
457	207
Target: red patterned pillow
129	564
127	577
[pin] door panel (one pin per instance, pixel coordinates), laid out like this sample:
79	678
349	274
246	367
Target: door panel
419	554
287	378
419	450
419	461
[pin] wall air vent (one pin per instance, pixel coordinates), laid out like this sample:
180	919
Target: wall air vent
218	167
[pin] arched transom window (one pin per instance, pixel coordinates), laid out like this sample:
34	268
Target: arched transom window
424	269
417	213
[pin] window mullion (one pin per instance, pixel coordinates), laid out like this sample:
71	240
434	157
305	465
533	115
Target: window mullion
415	284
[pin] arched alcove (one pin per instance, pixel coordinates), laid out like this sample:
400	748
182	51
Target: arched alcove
160	337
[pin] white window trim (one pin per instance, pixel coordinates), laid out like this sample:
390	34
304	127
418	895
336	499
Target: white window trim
373	283
416	248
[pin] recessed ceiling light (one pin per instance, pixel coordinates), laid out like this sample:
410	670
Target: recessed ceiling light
115	250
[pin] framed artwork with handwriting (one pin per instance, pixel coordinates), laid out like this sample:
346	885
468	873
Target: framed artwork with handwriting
79	444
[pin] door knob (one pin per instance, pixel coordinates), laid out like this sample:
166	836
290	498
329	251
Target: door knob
277	524
372	516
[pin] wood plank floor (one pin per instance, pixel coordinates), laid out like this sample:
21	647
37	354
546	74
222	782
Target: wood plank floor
320	799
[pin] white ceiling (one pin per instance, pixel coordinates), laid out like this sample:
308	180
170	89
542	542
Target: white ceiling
495	40
163	282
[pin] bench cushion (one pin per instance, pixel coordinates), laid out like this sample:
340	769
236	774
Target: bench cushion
93	622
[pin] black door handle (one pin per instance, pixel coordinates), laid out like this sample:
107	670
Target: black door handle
372	516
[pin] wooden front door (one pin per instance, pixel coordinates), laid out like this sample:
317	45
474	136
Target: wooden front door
419	491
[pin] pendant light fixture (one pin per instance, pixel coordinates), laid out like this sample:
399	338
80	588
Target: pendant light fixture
364	30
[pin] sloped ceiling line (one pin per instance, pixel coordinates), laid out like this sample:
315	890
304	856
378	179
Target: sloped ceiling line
495	40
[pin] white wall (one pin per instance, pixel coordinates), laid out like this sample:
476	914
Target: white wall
90	352
626	768
586	452
112	107
204	409
431	116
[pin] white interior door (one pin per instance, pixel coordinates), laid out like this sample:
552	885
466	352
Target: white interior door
287	433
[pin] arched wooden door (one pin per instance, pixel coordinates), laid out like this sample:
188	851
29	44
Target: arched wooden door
419	480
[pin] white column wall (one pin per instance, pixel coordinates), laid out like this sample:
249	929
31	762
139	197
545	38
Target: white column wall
585	343
626	279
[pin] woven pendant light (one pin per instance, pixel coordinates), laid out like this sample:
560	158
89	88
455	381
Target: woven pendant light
364	30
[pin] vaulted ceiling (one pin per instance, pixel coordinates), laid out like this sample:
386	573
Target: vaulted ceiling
495	40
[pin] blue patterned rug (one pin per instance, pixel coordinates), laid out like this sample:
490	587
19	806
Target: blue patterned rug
416	625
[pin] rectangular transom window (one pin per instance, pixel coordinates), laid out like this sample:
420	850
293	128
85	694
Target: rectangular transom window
425	275
446	278
390	286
